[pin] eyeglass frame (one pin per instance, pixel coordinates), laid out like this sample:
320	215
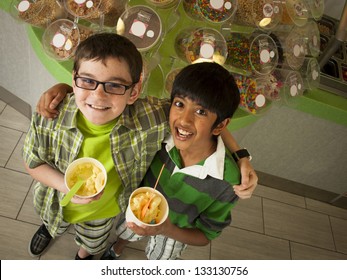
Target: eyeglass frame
126	87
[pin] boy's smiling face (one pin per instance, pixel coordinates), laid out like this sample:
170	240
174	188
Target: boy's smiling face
191	128
96	105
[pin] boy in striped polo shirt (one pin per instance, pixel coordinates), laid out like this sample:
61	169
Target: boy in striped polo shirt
199	172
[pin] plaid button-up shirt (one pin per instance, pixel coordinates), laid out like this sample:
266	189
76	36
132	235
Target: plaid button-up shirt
135	139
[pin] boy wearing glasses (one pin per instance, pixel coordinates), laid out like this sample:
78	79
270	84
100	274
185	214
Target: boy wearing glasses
103	119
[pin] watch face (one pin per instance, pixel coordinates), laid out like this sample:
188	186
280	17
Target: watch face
241	154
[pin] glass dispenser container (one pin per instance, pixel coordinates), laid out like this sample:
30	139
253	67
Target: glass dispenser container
291	49
214	11
39	13
251	53
295	12
141	25
102	12
62	37
263	14
194	45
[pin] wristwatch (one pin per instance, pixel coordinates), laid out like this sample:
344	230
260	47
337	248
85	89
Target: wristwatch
242	153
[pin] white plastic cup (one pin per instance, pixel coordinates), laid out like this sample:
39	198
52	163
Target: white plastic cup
163	208
71	177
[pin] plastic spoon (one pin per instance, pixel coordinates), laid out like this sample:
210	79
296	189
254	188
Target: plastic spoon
71	193
145	208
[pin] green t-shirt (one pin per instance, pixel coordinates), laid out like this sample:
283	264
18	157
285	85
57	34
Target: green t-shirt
96	144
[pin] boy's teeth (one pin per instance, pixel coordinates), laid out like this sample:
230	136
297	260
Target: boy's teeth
183	132
98	107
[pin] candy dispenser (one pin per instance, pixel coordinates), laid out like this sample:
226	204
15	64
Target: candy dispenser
291	48
292	85
170	77
102	12
194	45
310	73
250	53
315	8
82	8
295	12
256	93
39	13
311	36
263	14
62	37
213	11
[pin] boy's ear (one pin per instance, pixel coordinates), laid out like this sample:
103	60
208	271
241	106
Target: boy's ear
218	129
135	93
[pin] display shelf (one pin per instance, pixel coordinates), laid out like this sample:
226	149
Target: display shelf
320	103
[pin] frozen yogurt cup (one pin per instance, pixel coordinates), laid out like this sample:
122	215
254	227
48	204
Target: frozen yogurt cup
156	213
90	170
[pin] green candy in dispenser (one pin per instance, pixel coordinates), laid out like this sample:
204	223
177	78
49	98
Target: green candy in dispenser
39	13
262	14
250	53
213	11
295	12
141	25
194	45
62	37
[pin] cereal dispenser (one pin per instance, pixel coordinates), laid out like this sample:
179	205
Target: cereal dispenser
39	13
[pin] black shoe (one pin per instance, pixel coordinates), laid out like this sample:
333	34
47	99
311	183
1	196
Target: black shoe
39	242
77	257
110	254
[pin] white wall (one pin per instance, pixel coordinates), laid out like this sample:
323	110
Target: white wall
21	72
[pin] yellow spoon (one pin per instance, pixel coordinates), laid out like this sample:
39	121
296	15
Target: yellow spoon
72	192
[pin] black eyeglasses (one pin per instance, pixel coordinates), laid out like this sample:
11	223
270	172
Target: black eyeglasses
109	87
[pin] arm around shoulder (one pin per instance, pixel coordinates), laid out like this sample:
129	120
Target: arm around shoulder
50	100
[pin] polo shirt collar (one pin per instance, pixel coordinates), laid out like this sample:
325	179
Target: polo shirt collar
212	166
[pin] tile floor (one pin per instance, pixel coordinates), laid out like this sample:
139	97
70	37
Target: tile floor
272	225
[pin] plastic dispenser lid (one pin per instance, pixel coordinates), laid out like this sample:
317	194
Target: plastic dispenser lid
217	10
294	85
83	8
141	25
61	39
267	14
312	74
315	8
298	11
254	99
263	54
